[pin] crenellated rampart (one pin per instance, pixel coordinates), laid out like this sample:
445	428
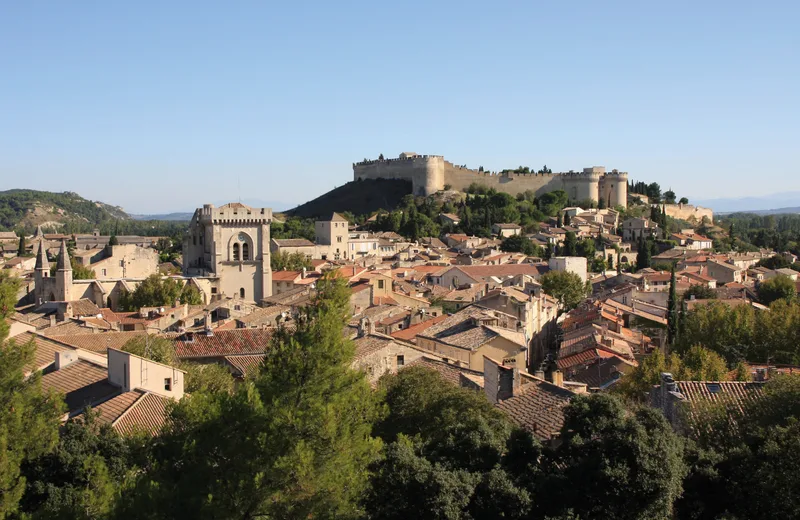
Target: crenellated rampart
431	173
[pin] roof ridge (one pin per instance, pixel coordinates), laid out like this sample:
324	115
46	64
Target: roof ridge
132	406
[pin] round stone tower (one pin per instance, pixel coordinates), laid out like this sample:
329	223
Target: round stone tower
614	188
583	186
428	174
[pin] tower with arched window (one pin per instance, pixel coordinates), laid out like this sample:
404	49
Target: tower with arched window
230	246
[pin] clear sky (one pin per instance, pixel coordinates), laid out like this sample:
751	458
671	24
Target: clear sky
160	106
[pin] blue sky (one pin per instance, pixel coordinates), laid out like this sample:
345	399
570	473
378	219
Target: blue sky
161	106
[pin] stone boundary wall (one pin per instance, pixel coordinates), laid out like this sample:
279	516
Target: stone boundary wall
689	212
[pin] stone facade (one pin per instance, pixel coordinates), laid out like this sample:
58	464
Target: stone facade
430	173
232	244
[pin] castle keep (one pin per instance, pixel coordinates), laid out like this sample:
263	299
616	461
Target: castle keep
430	173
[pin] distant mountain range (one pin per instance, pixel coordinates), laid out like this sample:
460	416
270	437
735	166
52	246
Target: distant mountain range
786	202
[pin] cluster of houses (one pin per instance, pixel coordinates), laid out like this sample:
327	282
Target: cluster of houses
455	304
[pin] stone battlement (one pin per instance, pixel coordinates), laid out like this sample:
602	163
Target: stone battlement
431	173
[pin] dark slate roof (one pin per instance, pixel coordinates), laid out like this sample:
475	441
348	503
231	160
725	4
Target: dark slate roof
538	407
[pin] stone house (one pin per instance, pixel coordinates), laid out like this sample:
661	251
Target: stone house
506	230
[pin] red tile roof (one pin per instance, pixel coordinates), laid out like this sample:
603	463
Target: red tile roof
410	333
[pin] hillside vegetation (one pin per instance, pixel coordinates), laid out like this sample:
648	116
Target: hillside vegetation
357	197
25	209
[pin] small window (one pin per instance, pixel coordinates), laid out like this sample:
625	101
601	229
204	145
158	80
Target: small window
237	307
338	239
245	251
380	284
104	272
401	360
213	290
241	293
168	384
235	252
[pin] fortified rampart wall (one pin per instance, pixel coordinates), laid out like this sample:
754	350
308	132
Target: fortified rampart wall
689	212
431	173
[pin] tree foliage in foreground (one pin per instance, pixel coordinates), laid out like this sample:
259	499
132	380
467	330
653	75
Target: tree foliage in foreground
29	417
295	442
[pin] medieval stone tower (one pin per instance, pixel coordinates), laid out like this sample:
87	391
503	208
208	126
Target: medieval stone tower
431	173
56	288
231	244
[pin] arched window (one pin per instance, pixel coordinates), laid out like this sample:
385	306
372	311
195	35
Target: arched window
241	293
245	251
235	252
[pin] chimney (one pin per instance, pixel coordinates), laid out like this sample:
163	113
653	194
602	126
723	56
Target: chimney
65	358
53	320
500	382
303	273
539	373
558	378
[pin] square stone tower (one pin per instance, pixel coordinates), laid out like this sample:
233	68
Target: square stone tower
231	243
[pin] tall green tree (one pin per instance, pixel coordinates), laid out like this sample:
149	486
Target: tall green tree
157	291
616	463
21	251
780	287
643	254
566	287
570	244
85	474
672	309
29	416
293	443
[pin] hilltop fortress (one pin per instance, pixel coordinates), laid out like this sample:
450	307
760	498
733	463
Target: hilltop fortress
431	173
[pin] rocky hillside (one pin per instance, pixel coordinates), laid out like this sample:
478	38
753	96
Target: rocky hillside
358	197
26	209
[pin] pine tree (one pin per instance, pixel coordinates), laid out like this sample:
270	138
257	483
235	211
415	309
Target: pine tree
29	417
672	310
643	255
293	443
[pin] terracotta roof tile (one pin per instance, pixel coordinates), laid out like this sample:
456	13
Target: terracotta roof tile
224	343
147	414
100	341
82	383
538	407
45	349
449	372
247	365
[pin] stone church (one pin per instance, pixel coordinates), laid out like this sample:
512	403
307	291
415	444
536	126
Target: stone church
230	244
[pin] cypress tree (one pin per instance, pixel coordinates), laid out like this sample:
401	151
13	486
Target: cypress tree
672	310
21	250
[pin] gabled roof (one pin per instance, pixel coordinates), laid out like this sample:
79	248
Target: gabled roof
410	333
537	406
83	383
449	372
247	365
147	414
224	343
44	349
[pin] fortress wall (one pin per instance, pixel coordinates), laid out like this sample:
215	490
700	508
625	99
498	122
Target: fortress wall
689	212
460	179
